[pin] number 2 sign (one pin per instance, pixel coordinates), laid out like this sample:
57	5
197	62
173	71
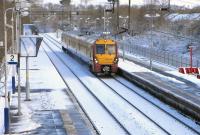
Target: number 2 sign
12	58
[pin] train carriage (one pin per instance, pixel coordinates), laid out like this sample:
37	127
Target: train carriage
101	54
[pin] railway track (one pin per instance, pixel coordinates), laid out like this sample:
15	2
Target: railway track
103	103
104	81
93	95
157	106
146	99
131	104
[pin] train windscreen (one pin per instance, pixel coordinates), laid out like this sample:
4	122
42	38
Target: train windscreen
105	49
110	49
100	49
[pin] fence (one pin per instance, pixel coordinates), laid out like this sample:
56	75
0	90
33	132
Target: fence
160	56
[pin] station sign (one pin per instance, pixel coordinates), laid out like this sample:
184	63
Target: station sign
12	59
75	13
29	45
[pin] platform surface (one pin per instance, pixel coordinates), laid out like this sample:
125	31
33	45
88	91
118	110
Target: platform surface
51	110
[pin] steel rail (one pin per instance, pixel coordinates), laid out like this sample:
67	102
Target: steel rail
191	128
88	89
186	125
133	106
119	96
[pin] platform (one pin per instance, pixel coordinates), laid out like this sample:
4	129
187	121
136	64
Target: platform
51	110
179	90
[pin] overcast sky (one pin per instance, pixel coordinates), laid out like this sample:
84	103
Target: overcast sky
187	3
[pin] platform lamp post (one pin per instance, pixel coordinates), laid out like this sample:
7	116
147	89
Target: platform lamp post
96	20
129	14
6	109
124	25
20	7
151	16
87	21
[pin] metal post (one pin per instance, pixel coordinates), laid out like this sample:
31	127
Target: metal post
7	94
123	39
181	61
104	23
191	58
6	108
70	15
117	16
13	79
57	33
27	81
62	16
129	14
13	51
96	25
123	51
18	66
151	44
30	15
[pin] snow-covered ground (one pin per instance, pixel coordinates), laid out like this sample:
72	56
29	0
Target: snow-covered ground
130	67
166	40
44	114
48	83
102	120
40	79
163	42
179	17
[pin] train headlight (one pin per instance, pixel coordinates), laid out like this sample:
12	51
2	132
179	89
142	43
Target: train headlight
95	60
116	60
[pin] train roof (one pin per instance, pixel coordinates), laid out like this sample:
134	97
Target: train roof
82	38
88	41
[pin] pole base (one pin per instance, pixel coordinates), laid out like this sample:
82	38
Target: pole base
6	120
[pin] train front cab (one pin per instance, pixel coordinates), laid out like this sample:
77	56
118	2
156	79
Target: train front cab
105	57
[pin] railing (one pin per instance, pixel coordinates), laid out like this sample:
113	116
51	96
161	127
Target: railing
160	56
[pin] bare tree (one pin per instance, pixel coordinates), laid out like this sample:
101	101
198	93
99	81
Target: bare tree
85	2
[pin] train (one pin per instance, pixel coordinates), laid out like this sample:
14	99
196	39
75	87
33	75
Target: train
101	53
